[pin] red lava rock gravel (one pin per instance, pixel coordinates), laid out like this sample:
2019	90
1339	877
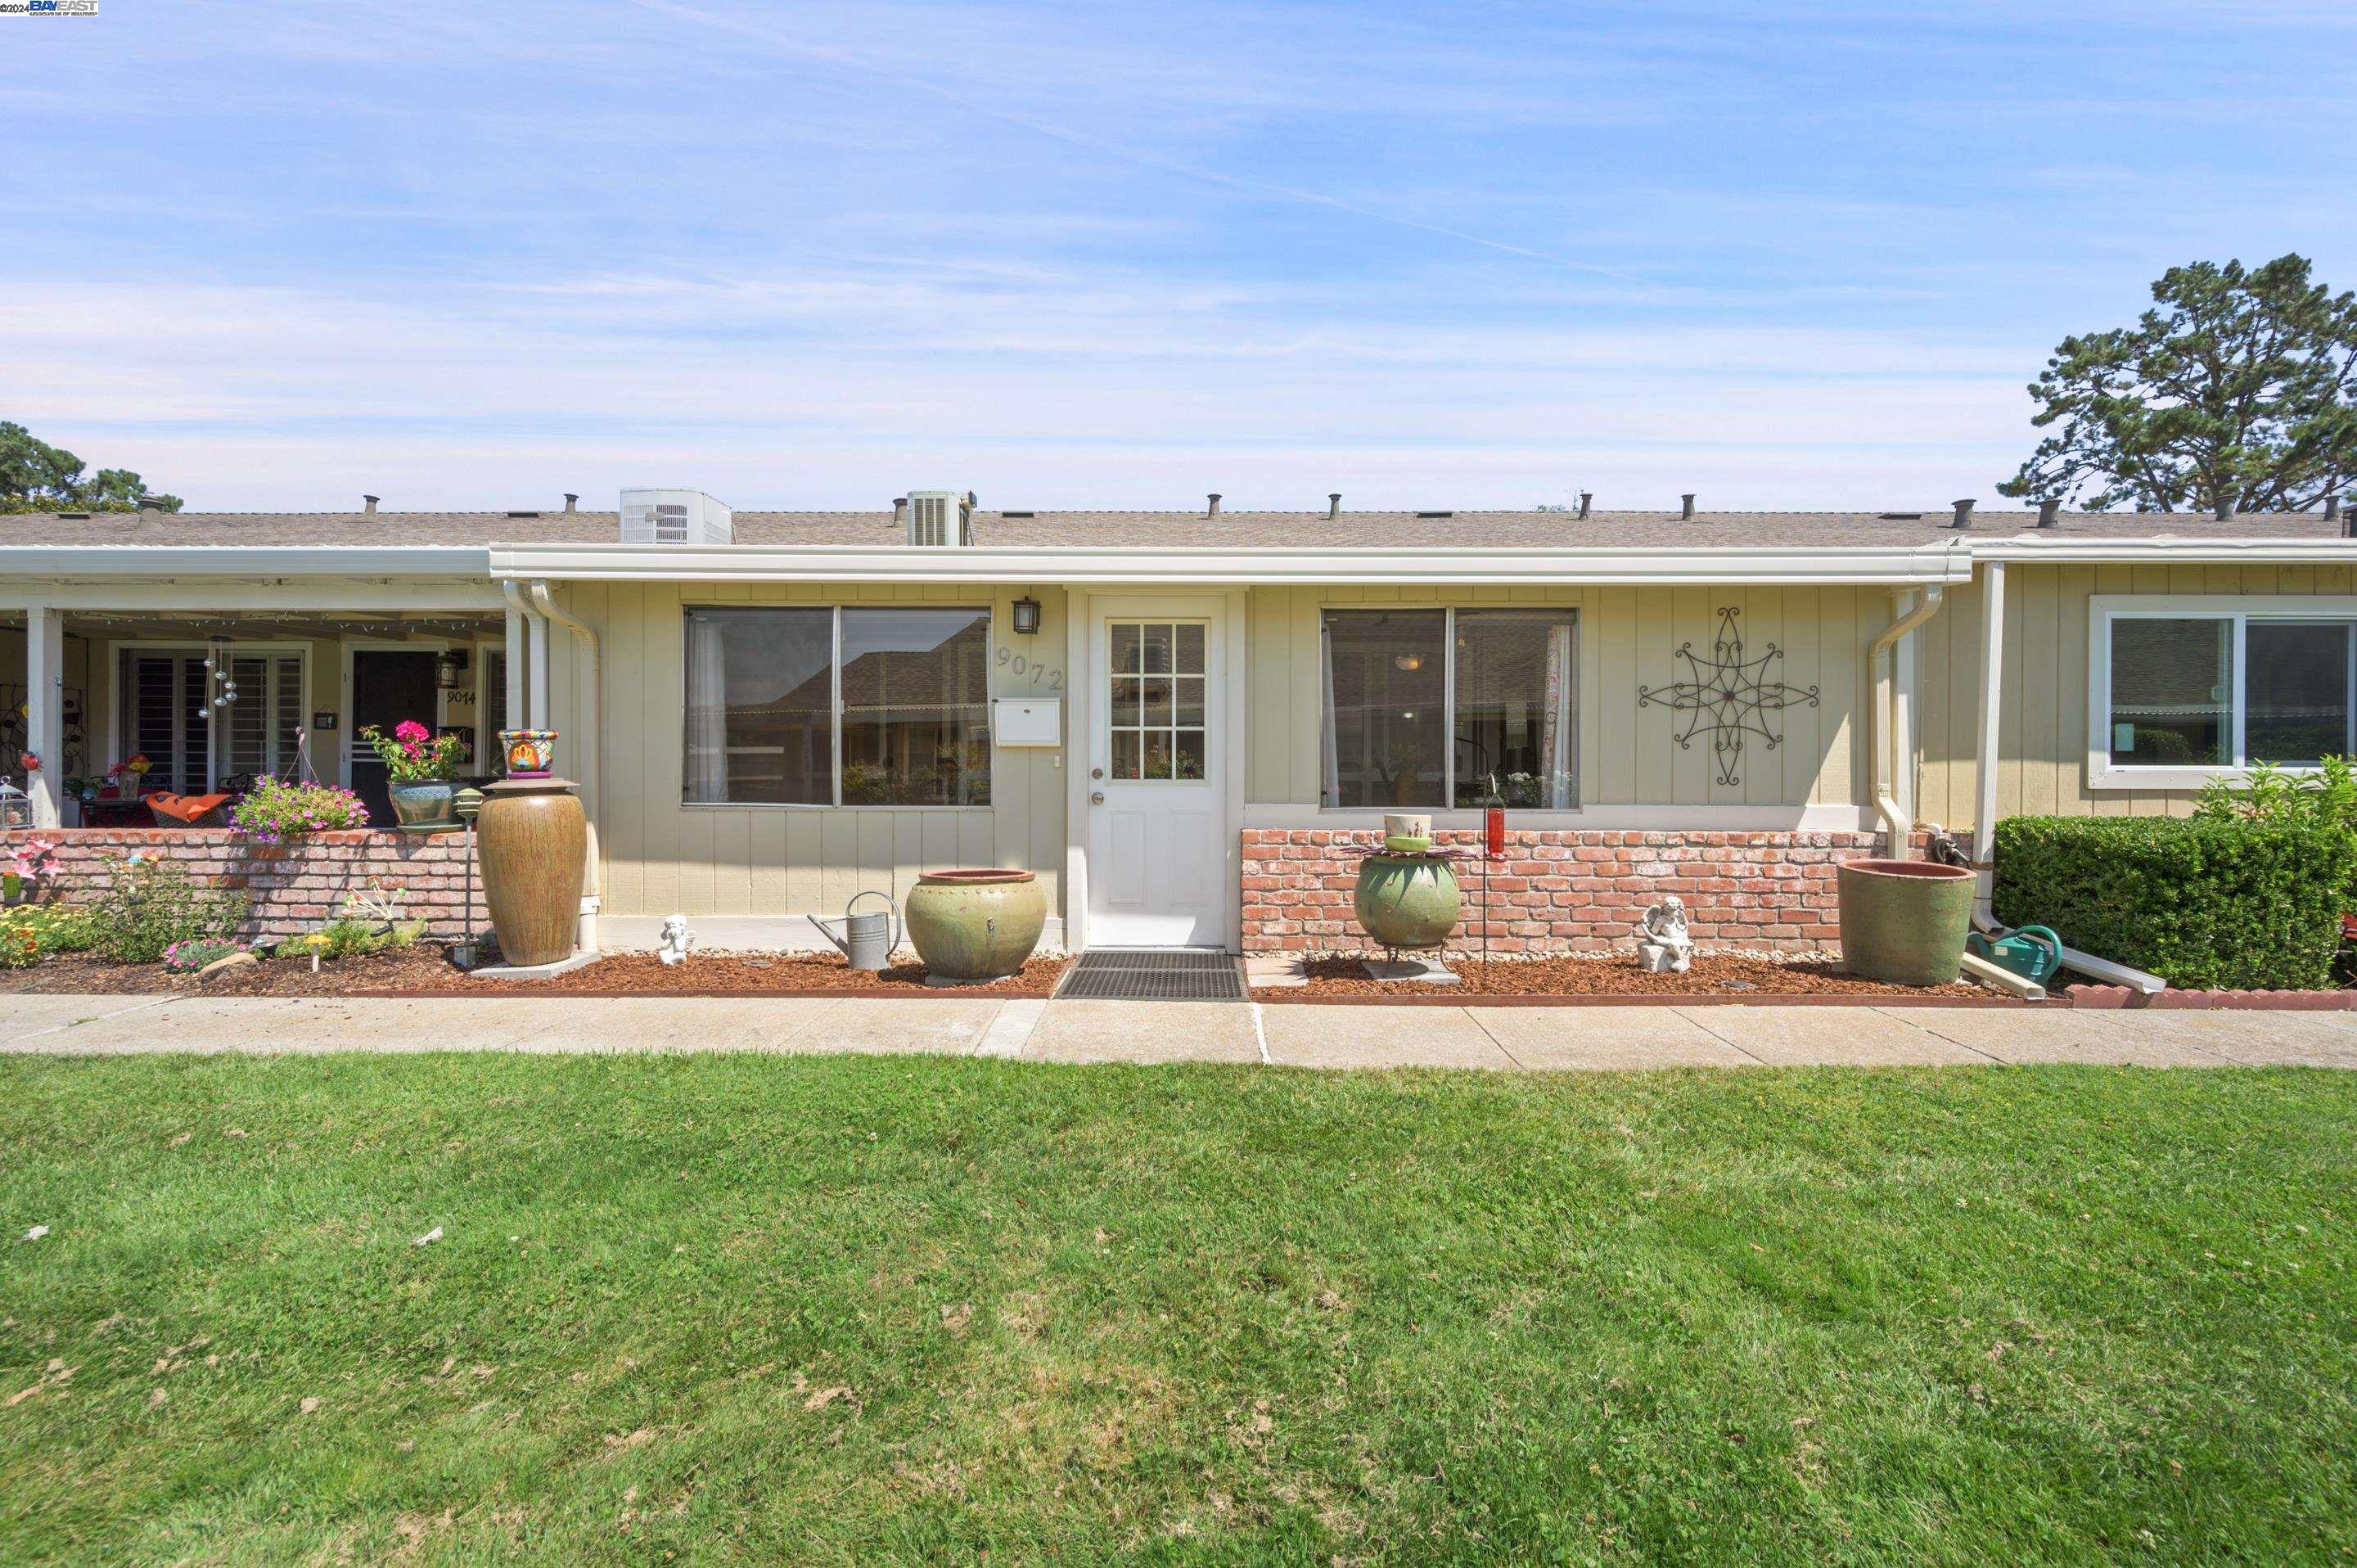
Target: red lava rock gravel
1608	975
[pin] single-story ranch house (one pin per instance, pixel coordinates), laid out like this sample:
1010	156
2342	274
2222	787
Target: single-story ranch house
1175	718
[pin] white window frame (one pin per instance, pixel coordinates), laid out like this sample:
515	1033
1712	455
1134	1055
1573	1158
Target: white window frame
1571	704
2241	609
835	802
121	718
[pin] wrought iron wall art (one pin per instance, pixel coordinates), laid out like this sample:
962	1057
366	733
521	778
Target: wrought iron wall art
1729	697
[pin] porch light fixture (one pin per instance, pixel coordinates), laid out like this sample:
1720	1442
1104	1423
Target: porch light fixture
1026	617
448	665
1411	663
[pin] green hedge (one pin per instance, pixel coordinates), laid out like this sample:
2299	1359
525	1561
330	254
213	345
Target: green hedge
2205	905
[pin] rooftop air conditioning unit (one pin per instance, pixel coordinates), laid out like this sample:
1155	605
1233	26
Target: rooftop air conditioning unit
675	517
938	517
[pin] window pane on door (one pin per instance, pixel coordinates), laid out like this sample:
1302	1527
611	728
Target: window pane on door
2172	692
1154	700
1386	725
1513	730
2296	691
916	718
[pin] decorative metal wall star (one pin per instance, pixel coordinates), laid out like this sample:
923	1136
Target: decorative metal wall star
1729	697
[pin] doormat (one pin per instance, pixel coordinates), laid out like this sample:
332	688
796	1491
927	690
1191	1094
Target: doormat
1162	975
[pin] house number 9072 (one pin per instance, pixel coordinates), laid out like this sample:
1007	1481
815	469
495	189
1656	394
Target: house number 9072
1023	668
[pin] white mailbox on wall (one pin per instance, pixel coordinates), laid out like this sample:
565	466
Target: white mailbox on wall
1027	721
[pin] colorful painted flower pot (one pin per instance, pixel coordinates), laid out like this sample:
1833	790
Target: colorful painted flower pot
975	924
530	753
1903	922
424	805
1406	901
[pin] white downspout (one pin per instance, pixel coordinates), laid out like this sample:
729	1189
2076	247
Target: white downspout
593	897
1986	758
1882	761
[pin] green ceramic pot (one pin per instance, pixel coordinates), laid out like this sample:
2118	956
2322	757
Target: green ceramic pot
423	805
975	924
1406	901
1903	922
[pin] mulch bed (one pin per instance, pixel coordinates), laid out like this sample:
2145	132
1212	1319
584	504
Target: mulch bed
423	970
1720	976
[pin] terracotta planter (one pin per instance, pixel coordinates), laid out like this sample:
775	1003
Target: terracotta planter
975	924
1903	921
1406	901
533	838
423	805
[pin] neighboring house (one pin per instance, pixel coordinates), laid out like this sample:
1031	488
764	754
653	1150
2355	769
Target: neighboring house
1172	717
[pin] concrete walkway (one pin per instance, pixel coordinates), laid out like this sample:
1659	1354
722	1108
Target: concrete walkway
1506	1039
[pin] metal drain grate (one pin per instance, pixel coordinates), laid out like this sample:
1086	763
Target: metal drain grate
1161	974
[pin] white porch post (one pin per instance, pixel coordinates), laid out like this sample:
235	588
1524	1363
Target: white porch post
514	669
45	699
1985	760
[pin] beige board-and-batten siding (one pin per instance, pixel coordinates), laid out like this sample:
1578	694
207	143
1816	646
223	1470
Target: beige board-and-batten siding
1628	638
2042	713
663	855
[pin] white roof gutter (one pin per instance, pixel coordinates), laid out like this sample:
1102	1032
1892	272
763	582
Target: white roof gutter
1945	563
2034	547
244	561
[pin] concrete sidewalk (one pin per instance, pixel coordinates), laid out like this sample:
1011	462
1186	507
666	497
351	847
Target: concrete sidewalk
1503	1039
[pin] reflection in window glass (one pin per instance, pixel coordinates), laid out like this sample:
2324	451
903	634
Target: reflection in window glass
1387	730
2172	691
759	706
1155	699
2296	691
1513	717
916	719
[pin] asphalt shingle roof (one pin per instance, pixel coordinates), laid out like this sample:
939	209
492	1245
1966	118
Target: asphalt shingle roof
1233	530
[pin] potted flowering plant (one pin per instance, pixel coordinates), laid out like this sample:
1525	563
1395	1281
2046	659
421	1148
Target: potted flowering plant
420	770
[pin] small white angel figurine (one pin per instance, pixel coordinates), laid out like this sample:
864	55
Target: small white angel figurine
1663	942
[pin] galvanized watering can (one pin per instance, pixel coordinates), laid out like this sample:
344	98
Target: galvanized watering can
867	940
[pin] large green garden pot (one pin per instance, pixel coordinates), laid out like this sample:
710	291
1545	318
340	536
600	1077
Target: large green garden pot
1904	921
1406	901
975	924
424	805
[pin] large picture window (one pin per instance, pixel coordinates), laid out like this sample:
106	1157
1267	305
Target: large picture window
192	744
838	706
1464	707
2197	686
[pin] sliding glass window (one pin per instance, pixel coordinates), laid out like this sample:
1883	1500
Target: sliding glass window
850	707
1464	707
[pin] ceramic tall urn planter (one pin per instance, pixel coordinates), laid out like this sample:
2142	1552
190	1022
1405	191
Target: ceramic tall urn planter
1904	921
533	840
1406	901
976	924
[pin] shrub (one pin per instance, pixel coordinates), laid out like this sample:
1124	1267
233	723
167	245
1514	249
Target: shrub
149	904
2202	903
28	934
186	958
276	809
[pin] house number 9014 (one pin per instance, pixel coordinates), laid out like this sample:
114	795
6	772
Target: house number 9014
1023	668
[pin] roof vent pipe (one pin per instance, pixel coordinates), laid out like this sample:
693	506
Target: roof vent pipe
2332	507
369	503
2047	510
2225	509
1333	504
1964	515
1587	500
899	511
1214	510
572	501
1687	510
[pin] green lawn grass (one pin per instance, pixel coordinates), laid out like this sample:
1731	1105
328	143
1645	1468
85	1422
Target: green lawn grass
836	1309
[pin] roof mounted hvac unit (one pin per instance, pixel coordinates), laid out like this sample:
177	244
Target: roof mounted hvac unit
938	517
675	517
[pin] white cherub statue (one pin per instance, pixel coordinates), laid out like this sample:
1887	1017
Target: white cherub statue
1661	939
676	940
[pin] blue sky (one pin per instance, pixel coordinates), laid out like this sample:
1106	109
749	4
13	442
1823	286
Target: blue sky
1092	254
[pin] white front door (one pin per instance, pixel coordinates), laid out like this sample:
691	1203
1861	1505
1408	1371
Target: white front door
1158	755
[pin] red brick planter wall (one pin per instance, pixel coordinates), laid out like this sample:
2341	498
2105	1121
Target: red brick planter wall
1565	890
296	887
